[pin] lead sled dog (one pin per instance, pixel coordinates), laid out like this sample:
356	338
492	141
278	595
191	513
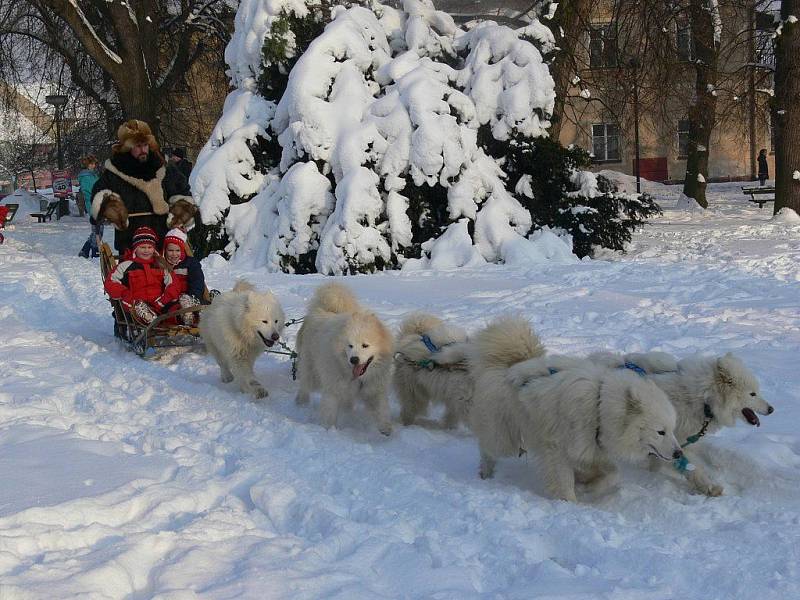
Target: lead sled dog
579	421
708	393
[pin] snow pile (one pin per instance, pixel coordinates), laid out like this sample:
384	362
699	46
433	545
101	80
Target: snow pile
29	202
374	106
787	216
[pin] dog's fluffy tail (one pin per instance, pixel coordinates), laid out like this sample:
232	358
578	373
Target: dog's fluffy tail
334	298
243	286
505	342
419	323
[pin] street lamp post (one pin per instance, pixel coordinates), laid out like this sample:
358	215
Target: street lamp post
58	101
634	64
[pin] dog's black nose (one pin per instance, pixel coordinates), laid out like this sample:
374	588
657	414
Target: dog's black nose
677	454
275	336
770	410
354	360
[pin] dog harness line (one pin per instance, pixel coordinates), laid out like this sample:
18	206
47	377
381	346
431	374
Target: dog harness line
682	464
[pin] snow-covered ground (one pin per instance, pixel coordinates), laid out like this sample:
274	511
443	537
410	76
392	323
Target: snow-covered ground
121	478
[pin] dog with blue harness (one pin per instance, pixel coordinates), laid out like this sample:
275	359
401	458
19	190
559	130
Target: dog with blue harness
708	393
431	368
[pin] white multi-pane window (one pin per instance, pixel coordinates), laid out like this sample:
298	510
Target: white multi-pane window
605	142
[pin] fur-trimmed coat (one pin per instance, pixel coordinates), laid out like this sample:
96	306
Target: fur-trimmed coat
150	187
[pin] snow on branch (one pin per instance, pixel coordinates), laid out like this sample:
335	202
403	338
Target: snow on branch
112	55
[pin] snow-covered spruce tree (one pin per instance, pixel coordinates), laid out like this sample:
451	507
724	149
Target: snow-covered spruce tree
239	159
368	155
552	183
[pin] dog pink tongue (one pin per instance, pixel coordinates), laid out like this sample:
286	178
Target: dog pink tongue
359	370
751	417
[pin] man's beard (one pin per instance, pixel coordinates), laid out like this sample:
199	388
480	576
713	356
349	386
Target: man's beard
142	158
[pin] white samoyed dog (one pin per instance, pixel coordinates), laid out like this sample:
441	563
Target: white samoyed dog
344	352
708	393
579	420
431	366
237	327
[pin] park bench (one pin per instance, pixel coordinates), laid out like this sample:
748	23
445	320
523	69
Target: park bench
46	215
11	210
759	191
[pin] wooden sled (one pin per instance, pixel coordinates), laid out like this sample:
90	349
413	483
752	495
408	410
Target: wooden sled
141	338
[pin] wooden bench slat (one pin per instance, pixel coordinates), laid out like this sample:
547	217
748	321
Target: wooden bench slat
47	215
759	191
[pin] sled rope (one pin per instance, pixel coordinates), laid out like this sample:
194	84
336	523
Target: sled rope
430	365
682	464
288	350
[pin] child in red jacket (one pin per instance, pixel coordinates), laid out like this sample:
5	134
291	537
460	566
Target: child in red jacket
188	281
139	281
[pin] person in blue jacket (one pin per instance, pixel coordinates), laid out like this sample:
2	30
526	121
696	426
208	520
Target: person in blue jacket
86	179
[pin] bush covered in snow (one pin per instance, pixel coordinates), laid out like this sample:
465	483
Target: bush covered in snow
360	138
550	182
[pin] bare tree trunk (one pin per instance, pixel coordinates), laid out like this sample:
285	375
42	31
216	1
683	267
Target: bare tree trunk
702	113
786	107
568	23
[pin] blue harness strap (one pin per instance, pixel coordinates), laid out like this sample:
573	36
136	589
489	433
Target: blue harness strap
635	368
429	344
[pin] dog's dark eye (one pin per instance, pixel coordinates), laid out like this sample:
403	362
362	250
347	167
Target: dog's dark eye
350	346
662	432
365	345
753	394
267	322
276	320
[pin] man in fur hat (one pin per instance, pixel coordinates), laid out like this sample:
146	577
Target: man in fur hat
138	189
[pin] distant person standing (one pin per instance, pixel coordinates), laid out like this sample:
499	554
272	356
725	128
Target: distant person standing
763	167
178	156
86	179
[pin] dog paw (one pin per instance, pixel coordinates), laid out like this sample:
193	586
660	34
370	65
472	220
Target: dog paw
226	377
258	390
712	490
385	429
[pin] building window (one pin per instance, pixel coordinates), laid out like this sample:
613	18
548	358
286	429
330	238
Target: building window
683	40
683	138
765	39
602	46
605	142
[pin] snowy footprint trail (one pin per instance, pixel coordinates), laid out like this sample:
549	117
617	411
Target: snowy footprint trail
121	478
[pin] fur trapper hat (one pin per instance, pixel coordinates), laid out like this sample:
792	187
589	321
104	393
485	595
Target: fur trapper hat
134	132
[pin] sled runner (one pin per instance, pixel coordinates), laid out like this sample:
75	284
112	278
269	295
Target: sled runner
142	338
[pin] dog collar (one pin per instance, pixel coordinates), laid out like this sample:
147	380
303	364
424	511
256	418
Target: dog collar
709	415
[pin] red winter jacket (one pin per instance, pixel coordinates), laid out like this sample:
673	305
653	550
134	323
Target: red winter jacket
187	278
136	279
